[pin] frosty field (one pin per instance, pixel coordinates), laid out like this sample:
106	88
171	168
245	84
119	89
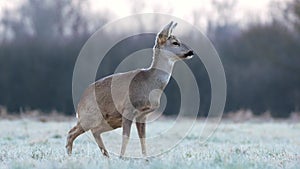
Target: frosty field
27	143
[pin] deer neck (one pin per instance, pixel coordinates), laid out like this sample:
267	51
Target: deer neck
161	67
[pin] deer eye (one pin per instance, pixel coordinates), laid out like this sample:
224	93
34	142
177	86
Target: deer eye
176	43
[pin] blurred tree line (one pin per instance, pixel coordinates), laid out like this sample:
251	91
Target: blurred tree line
41	41
262	62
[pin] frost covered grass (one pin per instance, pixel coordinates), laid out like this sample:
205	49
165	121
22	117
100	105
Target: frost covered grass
26	143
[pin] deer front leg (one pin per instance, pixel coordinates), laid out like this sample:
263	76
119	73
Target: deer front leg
141	128
126	124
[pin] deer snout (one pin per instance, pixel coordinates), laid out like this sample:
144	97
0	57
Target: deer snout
189	54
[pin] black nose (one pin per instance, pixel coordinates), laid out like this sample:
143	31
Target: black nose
189	53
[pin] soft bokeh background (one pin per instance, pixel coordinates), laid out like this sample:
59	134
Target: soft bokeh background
258	43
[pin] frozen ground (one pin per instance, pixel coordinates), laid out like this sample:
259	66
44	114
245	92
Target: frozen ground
26	143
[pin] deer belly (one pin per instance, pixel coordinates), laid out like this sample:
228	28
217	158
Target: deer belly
114	120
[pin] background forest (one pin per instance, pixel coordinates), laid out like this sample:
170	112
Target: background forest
40	41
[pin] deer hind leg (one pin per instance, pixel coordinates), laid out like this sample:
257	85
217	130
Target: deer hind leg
97	136
72	135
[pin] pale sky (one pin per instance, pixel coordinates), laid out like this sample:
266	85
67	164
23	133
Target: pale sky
184	9
179	8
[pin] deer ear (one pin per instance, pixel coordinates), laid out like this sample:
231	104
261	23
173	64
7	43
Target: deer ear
163	35
172	28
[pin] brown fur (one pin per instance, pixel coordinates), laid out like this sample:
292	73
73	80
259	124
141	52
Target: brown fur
116	100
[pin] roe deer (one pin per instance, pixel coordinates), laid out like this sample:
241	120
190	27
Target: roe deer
116	100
